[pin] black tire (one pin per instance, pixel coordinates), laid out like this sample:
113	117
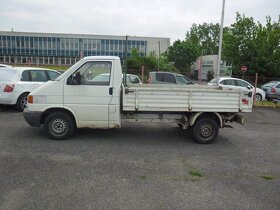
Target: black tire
59	126
21	102
205	130
258	97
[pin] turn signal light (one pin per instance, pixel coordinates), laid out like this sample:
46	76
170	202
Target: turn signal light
245	101
9	88
30	99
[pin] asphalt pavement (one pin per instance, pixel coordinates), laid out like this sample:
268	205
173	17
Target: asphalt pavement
141	166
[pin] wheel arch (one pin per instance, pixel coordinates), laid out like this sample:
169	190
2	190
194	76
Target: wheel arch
19	95
213	115
52	110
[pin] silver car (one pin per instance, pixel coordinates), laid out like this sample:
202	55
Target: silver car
272	90
160	77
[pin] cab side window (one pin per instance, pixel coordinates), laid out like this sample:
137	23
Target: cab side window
92	73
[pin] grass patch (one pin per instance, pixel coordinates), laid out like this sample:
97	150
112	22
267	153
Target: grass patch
268	177
268	104
195	173
143	177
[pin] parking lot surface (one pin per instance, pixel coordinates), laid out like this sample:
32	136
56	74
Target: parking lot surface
141	167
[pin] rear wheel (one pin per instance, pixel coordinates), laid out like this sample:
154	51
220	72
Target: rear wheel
205	130
21	102
59	126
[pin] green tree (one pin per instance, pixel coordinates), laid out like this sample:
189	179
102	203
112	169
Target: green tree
206	36
135	62
238	43
183	54
254	45
267	56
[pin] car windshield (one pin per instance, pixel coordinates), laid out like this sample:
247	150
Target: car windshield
132	79
183	80
213	81
7	74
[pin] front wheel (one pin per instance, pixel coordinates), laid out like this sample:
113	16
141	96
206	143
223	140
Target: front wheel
205	130
258	97
59	126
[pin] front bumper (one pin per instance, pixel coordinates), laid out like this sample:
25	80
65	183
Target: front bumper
32	118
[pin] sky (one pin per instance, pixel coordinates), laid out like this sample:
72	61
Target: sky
152	18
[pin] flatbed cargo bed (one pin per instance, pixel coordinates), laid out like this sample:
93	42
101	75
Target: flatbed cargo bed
184	98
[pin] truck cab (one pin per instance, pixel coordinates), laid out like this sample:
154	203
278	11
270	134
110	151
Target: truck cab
90	102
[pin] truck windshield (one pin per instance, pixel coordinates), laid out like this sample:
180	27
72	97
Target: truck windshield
7	74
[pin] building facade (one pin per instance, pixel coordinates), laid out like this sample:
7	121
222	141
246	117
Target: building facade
67	49
209	63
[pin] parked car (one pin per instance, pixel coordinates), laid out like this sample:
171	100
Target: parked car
133	79
236	83
16	83
272	90
130	78
160	77
269	92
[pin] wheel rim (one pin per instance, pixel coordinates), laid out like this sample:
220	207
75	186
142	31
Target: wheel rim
258	97
206	131
58	127
23	102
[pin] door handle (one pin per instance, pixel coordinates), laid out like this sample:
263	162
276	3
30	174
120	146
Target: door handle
110	91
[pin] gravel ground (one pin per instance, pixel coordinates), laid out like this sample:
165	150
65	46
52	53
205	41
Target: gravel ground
141	167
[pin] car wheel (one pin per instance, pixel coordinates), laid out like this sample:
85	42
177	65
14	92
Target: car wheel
205	130
59	126
258	97
21	102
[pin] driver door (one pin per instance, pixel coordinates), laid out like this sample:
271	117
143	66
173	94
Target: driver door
87	93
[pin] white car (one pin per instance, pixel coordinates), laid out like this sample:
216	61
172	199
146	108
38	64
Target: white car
16	83
236	83
4	65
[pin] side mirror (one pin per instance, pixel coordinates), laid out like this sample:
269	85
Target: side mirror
249	87
74	79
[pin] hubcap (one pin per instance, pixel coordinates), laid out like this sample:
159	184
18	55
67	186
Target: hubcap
24	103
58	127
258	98
206	130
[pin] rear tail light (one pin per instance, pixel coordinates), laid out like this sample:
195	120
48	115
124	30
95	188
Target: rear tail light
273	90
9	88
245	101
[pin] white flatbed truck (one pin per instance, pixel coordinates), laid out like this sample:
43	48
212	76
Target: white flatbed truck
91	95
